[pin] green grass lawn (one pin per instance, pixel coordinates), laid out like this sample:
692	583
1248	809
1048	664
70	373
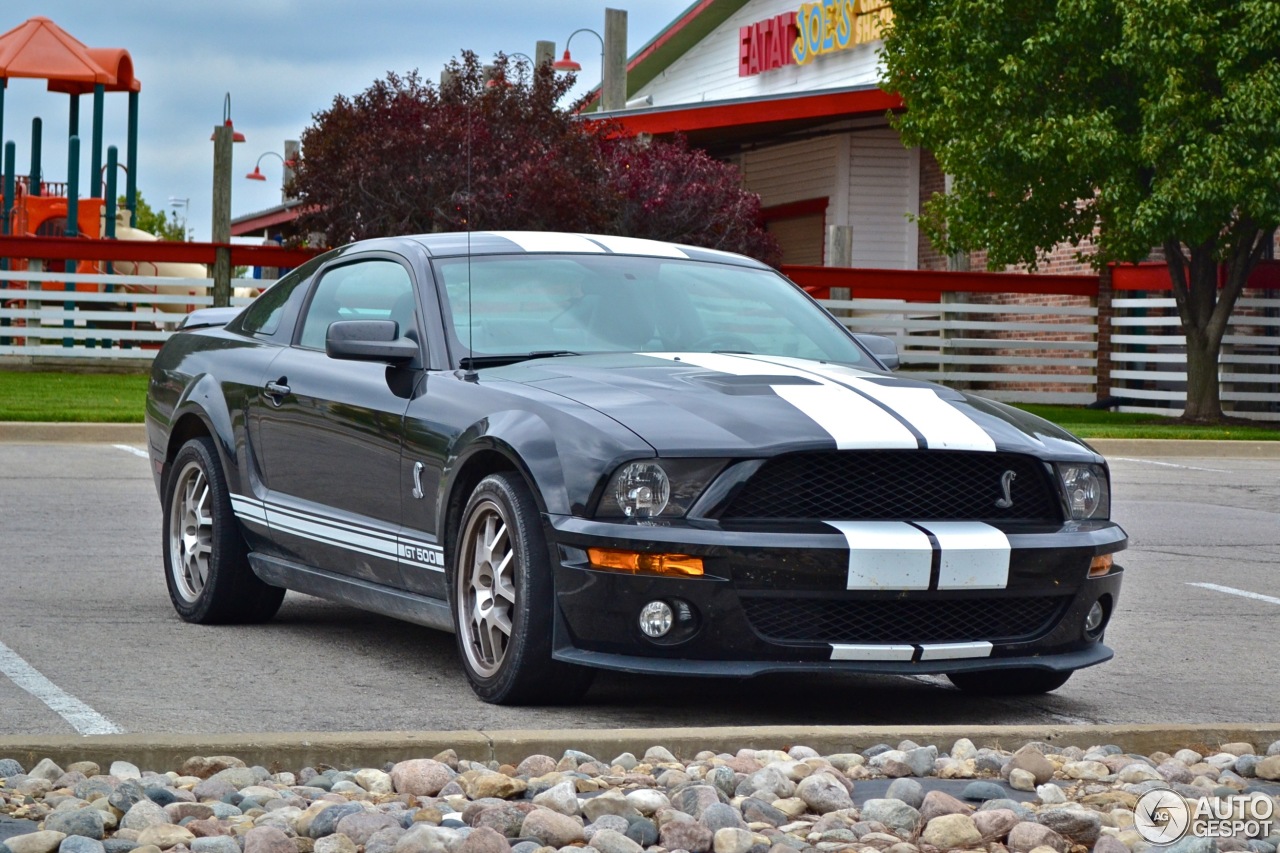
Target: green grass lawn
85	397
119	398
1099	423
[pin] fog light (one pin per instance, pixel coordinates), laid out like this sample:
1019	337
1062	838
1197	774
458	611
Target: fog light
656	619
1093	621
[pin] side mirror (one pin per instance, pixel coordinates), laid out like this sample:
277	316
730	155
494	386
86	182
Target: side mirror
369	340
882	348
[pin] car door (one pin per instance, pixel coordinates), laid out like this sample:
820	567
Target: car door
330	429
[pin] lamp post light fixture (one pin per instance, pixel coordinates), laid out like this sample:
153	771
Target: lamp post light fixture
568	63
185	204
236	136
256	174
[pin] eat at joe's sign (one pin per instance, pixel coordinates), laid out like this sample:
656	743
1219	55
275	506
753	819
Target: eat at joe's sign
820	27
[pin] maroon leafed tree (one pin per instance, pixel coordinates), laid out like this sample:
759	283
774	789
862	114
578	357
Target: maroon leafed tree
495	151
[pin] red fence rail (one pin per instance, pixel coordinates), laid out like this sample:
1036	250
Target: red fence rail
72	249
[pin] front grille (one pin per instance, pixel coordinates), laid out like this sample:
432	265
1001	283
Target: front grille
897	484
903	621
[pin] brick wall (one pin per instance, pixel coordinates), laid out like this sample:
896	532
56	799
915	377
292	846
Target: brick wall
932	182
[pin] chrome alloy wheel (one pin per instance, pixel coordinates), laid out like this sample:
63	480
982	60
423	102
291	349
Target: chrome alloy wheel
191	531
486	588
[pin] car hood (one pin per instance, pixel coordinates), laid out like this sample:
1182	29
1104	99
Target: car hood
700	403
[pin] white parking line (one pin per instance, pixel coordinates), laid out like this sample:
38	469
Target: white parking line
135	451
1167	464
82	718
1243	593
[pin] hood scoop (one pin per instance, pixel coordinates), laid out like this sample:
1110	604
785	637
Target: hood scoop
747	385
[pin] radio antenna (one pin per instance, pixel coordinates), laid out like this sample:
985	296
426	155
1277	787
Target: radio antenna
471	317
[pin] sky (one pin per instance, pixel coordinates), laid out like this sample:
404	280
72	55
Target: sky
282	61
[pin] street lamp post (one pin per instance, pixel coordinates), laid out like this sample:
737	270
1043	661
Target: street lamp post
185	204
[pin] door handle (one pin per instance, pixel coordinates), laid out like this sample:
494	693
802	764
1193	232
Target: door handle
277	390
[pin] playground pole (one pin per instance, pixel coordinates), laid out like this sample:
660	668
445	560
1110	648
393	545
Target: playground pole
4	84
73	212
33	186
6	215
73	120
111	192
131	163
95	156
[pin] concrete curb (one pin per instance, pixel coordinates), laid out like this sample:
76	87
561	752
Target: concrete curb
36	432
18	432
1191	448
292	751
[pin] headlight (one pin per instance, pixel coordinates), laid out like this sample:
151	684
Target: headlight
1088	494
652	488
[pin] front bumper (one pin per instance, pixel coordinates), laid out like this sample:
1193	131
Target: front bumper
776	600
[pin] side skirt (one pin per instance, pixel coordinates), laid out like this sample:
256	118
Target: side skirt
396	603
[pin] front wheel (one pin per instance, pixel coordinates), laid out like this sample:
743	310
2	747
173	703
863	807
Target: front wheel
1009	682
502	596
205	559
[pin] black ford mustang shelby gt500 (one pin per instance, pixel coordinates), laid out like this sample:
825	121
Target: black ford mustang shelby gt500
583	452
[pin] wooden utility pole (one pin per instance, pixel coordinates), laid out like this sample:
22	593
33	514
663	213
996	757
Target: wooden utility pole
613	87
222	138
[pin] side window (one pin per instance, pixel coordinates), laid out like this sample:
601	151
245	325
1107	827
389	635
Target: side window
264	315
365	290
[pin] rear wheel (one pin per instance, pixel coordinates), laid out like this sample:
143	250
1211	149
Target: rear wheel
1009	682
205	558
502	596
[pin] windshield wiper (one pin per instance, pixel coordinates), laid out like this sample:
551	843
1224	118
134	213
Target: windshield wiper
474	361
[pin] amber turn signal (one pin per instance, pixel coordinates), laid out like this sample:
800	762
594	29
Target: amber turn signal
1100	566
681	565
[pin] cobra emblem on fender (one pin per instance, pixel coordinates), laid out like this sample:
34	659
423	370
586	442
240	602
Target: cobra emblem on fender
1006	485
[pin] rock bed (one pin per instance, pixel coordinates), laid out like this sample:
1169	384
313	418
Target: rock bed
885	799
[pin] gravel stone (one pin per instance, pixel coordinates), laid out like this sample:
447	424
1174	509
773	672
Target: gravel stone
909	791
86	823
895	814
982	791
951	830
80	844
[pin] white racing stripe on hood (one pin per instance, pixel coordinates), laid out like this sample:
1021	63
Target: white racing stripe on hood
852	421
943	426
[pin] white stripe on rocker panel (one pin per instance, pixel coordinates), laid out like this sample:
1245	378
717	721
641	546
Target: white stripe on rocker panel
888	555
974	555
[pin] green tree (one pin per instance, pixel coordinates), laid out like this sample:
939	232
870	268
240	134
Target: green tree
157	222
1128	124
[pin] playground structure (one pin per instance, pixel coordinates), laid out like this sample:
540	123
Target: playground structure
77	277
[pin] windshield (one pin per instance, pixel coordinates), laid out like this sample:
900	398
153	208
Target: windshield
518	305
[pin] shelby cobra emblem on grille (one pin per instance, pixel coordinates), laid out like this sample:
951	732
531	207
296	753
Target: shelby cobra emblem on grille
1006	485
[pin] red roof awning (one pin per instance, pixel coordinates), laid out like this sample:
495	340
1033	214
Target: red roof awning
748	112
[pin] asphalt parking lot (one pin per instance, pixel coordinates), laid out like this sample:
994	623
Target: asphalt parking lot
89	642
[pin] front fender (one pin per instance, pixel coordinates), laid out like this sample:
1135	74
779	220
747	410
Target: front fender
203	398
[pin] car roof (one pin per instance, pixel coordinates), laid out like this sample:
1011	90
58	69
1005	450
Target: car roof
461	243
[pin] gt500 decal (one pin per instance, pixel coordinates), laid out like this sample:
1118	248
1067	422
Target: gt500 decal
900	555
427	555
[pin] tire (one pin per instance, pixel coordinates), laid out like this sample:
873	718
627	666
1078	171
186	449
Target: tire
501	592
1009	682
205	558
